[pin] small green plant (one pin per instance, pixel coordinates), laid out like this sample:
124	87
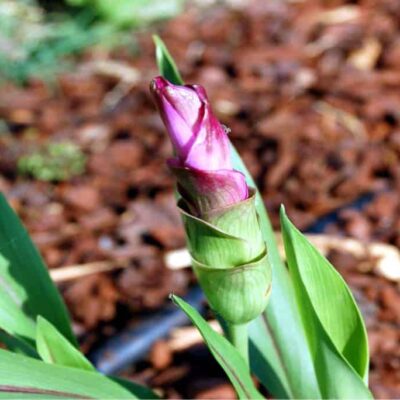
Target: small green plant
55	162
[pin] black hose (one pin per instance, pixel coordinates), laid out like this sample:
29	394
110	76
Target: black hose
322	223
133	343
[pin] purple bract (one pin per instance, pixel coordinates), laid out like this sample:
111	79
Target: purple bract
202	163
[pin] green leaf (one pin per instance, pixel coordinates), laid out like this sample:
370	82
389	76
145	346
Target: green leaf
53	348
23	377
227	356
335	330
166	63
26	289
338	311
278	340
265	361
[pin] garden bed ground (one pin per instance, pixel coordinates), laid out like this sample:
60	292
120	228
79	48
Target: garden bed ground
311	95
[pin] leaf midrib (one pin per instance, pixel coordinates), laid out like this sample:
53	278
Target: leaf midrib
241	384
278	353
33	390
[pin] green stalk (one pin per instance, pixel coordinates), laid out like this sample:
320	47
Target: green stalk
237	334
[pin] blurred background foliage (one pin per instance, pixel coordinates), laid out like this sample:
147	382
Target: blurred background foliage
53	162
131	13
39	38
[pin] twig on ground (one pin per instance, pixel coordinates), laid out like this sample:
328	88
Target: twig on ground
72	272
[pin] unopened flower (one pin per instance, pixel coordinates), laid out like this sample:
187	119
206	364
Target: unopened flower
202	163
218	208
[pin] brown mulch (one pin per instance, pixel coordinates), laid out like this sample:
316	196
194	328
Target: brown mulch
310	91
379	301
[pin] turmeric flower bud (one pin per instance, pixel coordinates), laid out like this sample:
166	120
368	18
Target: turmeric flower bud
202	163
223	234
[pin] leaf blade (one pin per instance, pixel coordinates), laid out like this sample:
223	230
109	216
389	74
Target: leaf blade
27	376
25	282
166	63
313	278
53	348
226	355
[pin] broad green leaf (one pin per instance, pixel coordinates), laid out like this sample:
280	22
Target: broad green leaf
26	289
338	311
24	377
227	356
335	330
53	348
166	63
278	341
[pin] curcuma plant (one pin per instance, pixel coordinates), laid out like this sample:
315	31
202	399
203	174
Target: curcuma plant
310	341
295	325
218	210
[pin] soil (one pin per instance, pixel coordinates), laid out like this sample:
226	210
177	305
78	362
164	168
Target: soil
310	91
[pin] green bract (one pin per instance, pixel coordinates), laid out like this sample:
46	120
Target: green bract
230	260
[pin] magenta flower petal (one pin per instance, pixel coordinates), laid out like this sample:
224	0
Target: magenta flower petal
209	190
179	107
199	139
210	149
202	162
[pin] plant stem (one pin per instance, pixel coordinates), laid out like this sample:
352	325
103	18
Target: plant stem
238	336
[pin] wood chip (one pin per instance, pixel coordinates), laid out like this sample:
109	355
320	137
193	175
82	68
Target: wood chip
183	338
367	56
339	15
72	272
